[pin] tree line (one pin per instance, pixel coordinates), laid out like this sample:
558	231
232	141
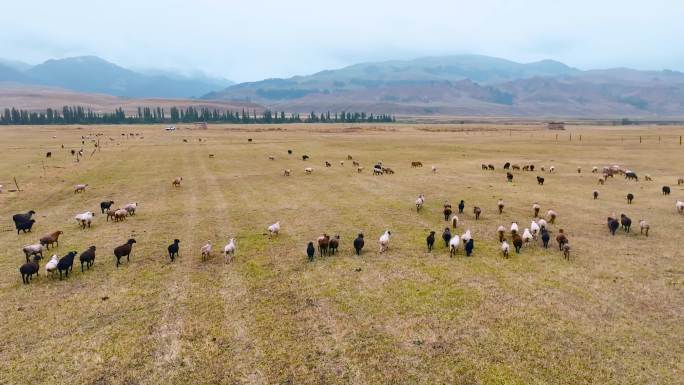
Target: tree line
149	115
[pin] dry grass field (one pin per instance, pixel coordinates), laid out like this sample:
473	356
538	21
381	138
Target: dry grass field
613	314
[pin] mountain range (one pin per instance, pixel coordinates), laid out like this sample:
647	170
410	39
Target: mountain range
91	74
463	85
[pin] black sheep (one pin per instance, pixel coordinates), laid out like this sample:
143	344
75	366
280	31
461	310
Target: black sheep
613	225
105	205
540	180
24	225
469	246
517	243
545	238
88	257
430	241
631	175
289	151
446	236
124	251
626	222
173	249
531	167
596	194
461	206
305	157
23	217
334	244
311	251
358	244
666	190
28	269
447	213
630	197
507	165
509	177
66	263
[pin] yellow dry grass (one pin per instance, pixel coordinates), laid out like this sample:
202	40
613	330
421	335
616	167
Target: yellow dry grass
611	315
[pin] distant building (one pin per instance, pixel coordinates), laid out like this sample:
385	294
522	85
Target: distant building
555	125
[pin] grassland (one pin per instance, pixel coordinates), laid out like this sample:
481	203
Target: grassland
614	314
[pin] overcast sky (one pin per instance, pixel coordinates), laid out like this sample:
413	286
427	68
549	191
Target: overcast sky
255	39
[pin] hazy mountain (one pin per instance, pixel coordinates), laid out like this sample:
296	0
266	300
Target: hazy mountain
472	85
95	75
15	64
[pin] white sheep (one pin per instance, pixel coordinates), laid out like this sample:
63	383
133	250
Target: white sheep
131	207
552	216
434	169
51	265
342	163
206	251
453	245
1	187
420	201
542	223
680	207
534	227
466	236
514	227
308	170
594	170
505	248
35	249
644	227
229	250
384	240
274	229
84	219
80	188
552	169
536	208
287	172
454	221
527	236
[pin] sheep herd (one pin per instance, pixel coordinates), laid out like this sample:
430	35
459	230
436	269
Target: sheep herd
538	231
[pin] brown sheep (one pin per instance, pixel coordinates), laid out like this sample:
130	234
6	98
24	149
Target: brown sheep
477	211
177	182
51	238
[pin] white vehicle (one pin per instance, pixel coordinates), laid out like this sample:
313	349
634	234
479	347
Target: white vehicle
170	128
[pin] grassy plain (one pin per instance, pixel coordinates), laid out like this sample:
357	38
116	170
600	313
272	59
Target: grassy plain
614	314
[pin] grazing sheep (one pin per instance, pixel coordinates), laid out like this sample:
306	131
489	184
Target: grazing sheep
229	251
387	170
416	164
648	178
124	251
596	194
453	245
49	239
274	229
23	217
552	216
51	266
358	244
501	231
477	211
527	236
131	207
28	269
359	169
500	204
579	170
447	213
454	221
88	258
505	248
566	251
349	157
84	219
79	188
1	187
48	154
534	228
211	156
515	167
446	236
419	202
323	244
536	208
328	164
542	223
356	164
287	172
105	206
644	227
626	222
66	264
562	239
24	225
118	215
35	249
305	157
310	251
271	157
680	181
630	197
289	152
613	225
594	170
545	238
680	207
430	240
484	166
461	206
434	169
377	170
469	246
308	170
509	177
342	163
517	243
631	175
506	166
447	204
552	169
514	227
177	181
540	180
466	236
384	241
334	244
206	251
666	190
173	249
531	167
601	180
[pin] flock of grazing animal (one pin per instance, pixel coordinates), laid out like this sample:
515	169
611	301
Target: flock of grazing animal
327	245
